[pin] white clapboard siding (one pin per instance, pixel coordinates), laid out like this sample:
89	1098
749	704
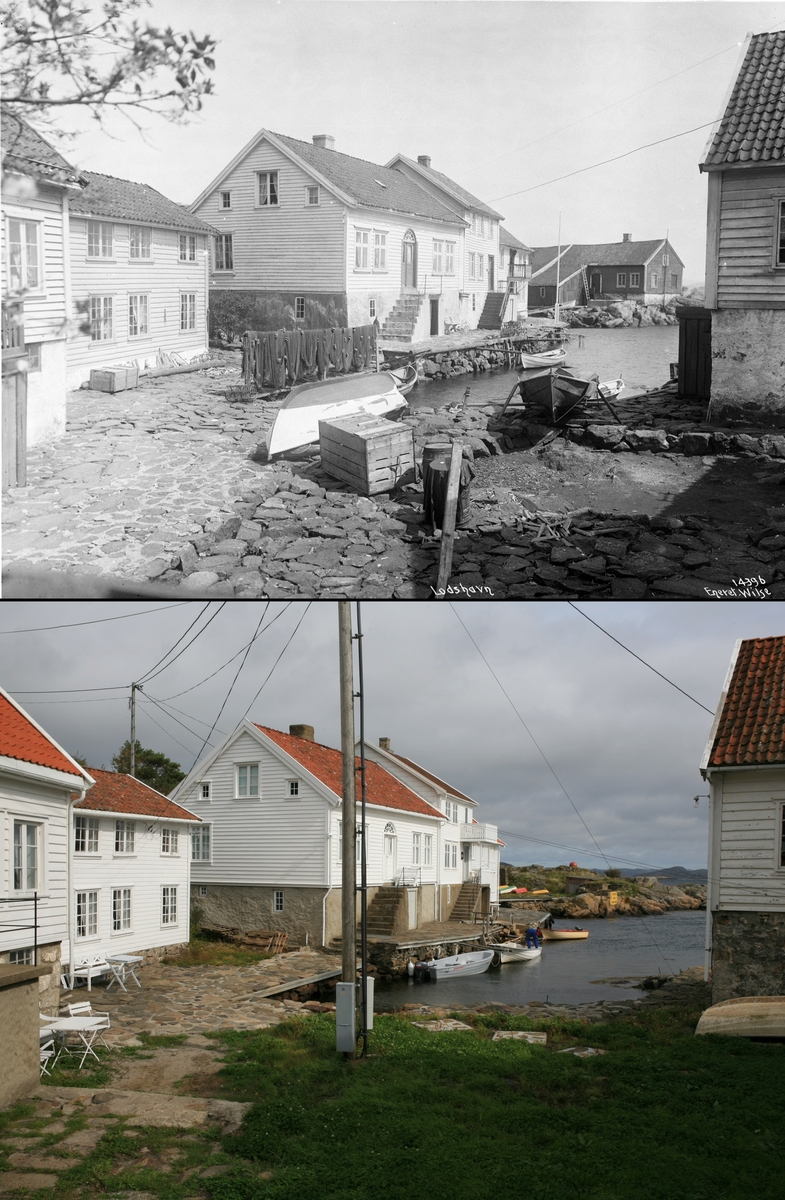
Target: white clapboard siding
750	814
271	840
746	237
162	277
291	246
145	872
395	225
44	308
419	786
47	805
406	824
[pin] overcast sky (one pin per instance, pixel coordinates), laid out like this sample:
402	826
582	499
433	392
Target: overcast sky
625	745
502	95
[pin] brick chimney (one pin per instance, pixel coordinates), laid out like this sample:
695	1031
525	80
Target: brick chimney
384	743
324	141
625	237
302	731
423	160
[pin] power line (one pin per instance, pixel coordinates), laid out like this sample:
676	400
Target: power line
641	660
198	634
278	659
177	643
234	656
193	732
121	687
98	621
631	862
94	700
236	677
187	749
167	707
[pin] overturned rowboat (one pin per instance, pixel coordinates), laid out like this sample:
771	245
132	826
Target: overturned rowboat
297	421
746	1016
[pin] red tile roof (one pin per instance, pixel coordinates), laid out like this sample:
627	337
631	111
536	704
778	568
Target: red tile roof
446	787
752	128
751	726
21	739
325	763
124	794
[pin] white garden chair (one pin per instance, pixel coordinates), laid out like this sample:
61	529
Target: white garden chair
89	969
85	1009
46	1051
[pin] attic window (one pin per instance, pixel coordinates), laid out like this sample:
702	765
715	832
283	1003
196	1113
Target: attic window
384	185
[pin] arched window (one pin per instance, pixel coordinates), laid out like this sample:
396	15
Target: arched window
390	828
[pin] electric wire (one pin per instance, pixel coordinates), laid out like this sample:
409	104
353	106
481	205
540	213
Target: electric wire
150	717
150	675
236	677
193	732
165	705
177	643
121	687
278	659
98	621
234	656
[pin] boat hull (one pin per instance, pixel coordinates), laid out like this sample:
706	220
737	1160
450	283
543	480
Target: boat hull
746	1016
513	952
474	963
564	935
548	358
297	422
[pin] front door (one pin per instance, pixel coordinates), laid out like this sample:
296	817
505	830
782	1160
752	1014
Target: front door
409	260
389	855
434	316
595	287
490	272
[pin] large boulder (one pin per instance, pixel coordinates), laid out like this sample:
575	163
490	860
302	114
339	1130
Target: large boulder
647	439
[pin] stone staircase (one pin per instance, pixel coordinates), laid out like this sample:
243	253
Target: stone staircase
465	905
493	311
401	322
383	911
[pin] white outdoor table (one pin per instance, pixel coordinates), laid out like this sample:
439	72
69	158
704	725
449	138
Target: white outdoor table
122	966
85	1027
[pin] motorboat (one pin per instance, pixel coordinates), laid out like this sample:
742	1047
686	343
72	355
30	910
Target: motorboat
548	358
297	421
563	935
745	1016
473	963
514	951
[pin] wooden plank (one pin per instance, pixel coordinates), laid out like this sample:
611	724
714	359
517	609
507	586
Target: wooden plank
291	985
448	520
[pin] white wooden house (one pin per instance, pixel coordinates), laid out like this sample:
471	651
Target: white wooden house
514	273
37	186
270	847
745	244
138	277
37	780
130	869
744	763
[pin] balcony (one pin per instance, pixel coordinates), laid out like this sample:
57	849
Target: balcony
479	833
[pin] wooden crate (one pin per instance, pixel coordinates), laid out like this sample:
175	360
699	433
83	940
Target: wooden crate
114	379
368	452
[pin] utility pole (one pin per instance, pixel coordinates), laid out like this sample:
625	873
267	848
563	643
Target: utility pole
558	274
135	687
348	807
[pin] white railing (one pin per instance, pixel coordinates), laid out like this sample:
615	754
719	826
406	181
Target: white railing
409	877
479	833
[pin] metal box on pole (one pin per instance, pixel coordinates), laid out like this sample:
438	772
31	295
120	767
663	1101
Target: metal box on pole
369	993
344	1017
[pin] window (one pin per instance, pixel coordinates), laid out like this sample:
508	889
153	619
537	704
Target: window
188	246
654	279
312	195
86	835
449	258
635	279
99	239
674	280
277	901
486	227
299	307
480	265
169	906
380	251
168	841
621	279
137	316
372	309
33	353
24	255
101	325
248	779
21	958
86	914
438	258
361	237
542	292
202	891
224	258
474	302
26	840
451	854
294	787
426	849
416	841
141	241
121	909
200	843
780	247
187	311
205	791
268	188
124	837
226	199
782	837
451	811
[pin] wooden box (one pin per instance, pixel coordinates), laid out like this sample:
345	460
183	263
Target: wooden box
370	453
114	379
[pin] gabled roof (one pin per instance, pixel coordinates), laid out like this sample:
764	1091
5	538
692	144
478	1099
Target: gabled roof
445	787
465	199
749	728
752	128
105	196
125	794
509	239
601	254
325	763
23	739
28	153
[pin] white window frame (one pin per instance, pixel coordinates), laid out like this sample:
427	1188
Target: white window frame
449	258
121	910
416	849
621	279
226	199
97	237
372	309
170	841
362	244
265	190
89	827
201	840
380	250
141	316
278	900
187	311
299	304
310	201
21	958
779	839
294	789
24	283
427	843
778	248
201	890
91	905
124	838
187	244
450	856
480	265
21	861
101	318
437	265
654	279
205	790
635	279
144	239
169	905
226	260
247	795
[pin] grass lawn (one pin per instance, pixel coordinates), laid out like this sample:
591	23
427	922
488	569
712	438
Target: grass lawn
206	952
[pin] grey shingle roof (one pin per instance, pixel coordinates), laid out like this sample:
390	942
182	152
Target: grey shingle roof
752	128
602	254
105	196
509	239
362	181
24	150
460	193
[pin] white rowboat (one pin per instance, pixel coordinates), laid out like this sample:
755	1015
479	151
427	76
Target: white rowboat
473	963
514	951
563	935
548	358
297	422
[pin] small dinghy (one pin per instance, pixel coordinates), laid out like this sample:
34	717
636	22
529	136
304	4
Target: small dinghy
297	422
514	951
564	935
405	377
547	358
746	1016
473	963
557	393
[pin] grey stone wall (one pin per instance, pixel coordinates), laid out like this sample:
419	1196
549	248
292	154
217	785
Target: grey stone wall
49	983
747	368
19	992
249	907
748	957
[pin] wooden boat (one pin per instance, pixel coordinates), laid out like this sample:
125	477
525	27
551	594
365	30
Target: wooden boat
474	963
559	393
563	935
548	358
297	422
405	377
514	951
746	1016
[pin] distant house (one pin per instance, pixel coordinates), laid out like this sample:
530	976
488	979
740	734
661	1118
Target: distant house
648	272
37	780
138	276
314	238
514	274
38	184
130	869
744	763
745	246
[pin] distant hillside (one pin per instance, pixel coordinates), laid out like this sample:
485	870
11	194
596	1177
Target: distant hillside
672	875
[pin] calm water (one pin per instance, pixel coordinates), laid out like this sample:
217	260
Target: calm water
564	972
641	356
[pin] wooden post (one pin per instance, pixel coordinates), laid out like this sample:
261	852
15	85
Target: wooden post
348	816
448	521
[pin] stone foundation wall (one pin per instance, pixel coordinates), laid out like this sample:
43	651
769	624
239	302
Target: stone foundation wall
250	907
19	998
48	983
748	366
390	962
232	312
748	957
456	362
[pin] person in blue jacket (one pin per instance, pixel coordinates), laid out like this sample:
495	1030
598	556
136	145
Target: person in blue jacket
532	938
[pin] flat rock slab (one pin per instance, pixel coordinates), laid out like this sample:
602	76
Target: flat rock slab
447	1026
520	1035
19	1181
154	1108
582	1051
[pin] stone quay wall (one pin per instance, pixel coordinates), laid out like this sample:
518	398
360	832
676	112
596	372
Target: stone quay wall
748	955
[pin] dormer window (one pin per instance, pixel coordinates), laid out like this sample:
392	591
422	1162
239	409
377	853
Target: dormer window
268	189
247	780
312	196
226	199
